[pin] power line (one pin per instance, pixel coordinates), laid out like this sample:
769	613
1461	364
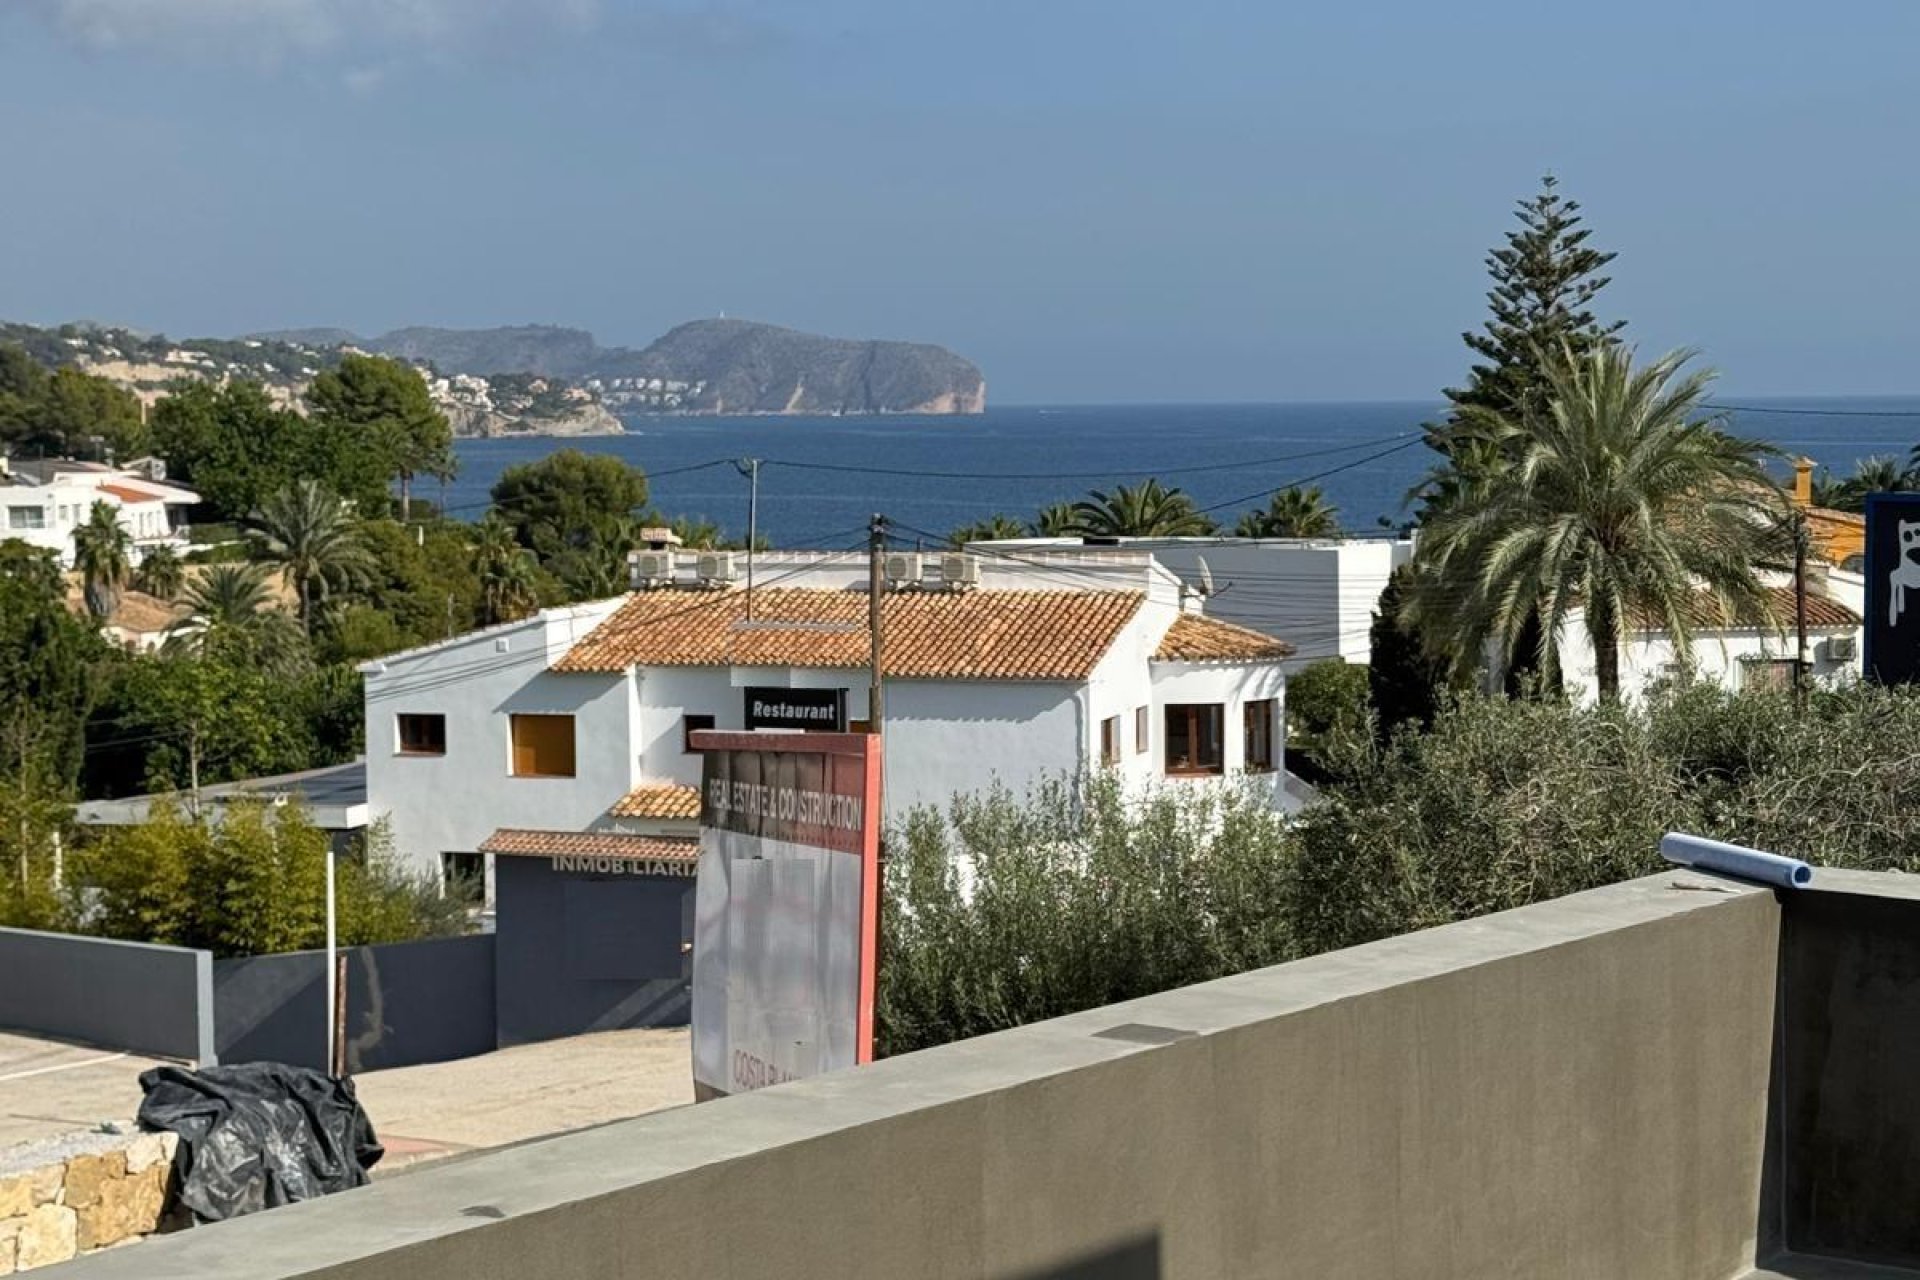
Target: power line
1085	475
1817	413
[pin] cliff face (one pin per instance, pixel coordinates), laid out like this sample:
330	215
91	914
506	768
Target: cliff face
589	420
738	366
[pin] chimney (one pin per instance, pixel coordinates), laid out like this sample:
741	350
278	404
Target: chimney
1803	483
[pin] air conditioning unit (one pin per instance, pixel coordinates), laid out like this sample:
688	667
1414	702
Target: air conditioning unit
903	568
650	568
717	566
1842	648
957	569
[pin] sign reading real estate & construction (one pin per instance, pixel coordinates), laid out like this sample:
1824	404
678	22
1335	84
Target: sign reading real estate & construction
786	907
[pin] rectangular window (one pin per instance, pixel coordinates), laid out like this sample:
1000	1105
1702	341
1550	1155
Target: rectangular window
542	746
26	517
1194	732
1140	730
1110	740
422	735
464	876
1261	717
690	725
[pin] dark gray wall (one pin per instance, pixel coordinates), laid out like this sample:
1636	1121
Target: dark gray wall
407	1003
577	952
1847	1073
122	995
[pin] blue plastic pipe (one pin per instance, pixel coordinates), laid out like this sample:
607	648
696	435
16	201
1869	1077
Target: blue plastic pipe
1735	860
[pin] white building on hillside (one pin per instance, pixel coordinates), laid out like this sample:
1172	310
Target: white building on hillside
45	501
520	737
1734	657
1320	593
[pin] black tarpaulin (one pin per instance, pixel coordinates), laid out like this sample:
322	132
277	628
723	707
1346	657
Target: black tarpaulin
259	1135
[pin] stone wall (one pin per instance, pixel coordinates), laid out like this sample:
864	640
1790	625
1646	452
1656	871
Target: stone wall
74	1195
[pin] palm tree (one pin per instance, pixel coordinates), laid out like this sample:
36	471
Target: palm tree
160	574
1291	513
1623	499
101	551
1146	510
509	588
1056	520
233	613
995	528
312	536
1874	475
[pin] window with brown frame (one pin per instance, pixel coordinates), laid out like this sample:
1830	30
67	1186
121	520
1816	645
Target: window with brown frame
1140	730
690	725
1260	718
421	735
1110	740
542	746
1194	738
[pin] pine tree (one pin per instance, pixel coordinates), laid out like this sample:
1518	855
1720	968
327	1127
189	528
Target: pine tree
1403	681
1544	281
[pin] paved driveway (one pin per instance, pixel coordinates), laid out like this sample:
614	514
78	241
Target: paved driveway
48	1088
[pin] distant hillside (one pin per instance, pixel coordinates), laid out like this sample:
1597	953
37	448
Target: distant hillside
738	366
706	366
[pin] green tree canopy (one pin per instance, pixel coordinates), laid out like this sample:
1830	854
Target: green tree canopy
1625	501
160	574
378	408
1146	510
234	445
561	500
1545	279
102	551
65	412
995	528
1293	512
315	540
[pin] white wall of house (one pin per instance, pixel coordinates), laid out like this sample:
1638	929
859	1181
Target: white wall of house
1232	687
1723	657
449	803
46	515
1318	594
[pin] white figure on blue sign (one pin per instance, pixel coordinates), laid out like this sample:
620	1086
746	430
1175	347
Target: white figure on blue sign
1906	572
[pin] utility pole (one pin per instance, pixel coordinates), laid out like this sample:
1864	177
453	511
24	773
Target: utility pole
750	468
876	585
1800	608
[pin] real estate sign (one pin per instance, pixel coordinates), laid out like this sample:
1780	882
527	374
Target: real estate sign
1893	588
786	907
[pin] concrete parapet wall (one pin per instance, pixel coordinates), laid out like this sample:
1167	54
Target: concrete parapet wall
1578	1088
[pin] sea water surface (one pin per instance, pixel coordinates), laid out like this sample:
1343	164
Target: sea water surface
821	479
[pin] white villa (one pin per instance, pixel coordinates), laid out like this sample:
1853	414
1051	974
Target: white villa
528	737
47	500
1732	656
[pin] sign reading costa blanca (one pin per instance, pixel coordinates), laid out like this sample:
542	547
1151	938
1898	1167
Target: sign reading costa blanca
819	710
786	907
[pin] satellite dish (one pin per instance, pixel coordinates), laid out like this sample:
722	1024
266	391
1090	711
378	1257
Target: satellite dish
1206	576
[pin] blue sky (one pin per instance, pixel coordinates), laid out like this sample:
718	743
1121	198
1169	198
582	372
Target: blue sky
1109	201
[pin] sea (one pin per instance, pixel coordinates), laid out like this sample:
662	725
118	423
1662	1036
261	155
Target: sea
823	479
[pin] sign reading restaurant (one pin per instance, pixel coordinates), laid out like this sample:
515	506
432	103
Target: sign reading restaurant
814	710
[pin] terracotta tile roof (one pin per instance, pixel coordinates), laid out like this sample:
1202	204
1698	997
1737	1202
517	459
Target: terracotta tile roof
136	613
658	800
935	635
590	844
129	493
1193	638
1705	613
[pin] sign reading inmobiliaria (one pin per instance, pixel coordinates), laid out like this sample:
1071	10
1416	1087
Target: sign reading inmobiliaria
786	907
